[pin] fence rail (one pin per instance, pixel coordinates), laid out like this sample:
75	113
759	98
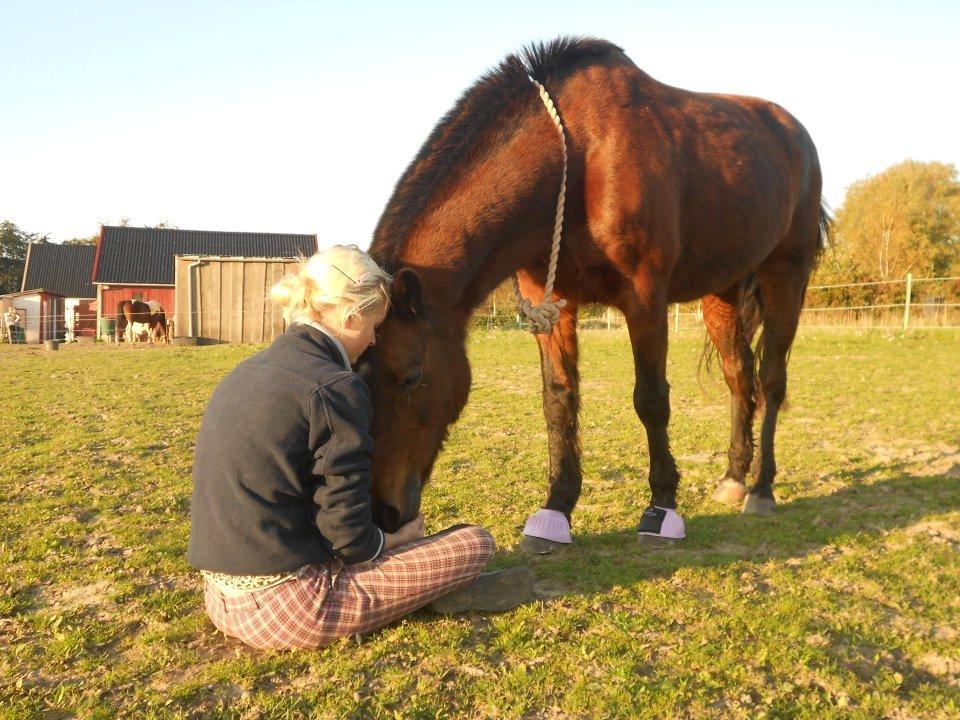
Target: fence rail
880	304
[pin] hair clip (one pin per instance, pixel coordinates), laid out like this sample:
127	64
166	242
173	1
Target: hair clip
344	274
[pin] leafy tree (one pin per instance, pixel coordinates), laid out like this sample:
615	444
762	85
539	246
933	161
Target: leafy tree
162	225
13	252
905	219
92	240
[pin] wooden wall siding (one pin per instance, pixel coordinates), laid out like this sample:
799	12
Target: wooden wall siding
230	298
118	293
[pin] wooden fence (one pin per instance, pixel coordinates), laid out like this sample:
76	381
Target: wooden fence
903	304
226	299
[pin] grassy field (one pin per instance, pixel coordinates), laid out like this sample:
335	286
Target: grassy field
846	604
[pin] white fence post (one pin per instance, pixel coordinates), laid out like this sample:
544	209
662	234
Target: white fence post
906	305
609	318
676	317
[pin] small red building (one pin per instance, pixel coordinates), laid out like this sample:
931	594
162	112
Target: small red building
133	263
40	314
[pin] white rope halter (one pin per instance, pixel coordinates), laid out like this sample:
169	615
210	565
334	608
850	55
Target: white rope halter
544	317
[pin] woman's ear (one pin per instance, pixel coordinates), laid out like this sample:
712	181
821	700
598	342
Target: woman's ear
352	321
406	297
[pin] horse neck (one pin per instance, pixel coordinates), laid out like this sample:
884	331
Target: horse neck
496	219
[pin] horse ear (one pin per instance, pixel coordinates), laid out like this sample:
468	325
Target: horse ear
406	297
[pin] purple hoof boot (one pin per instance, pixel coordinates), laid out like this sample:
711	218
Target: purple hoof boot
660	527
549	525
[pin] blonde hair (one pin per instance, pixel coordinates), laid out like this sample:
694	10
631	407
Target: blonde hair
335	283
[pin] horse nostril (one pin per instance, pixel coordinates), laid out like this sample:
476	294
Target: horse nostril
413	496
387	518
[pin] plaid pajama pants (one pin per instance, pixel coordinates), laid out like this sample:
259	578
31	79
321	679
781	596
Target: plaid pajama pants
333	600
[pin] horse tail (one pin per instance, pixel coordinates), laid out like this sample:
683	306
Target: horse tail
751	318
708	354
824	229
751	307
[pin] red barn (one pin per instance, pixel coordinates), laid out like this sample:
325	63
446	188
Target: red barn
134	263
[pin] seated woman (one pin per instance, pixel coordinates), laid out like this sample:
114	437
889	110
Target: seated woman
281	522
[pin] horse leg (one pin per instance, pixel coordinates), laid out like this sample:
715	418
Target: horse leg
782	286
729	335
550	526
660	525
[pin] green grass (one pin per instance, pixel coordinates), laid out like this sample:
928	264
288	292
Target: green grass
846	604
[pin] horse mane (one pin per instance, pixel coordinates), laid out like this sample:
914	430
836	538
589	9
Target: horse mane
497	98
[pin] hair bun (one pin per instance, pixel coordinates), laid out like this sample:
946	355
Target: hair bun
341	278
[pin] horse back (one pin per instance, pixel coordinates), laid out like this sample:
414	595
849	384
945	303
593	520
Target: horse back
695	187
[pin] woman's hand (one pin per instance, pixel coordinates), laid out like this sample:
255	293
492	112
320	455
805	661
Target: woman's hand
413	530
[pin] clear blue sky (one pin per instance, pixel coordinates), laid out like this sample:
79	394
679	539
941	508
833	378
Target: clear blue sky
300	116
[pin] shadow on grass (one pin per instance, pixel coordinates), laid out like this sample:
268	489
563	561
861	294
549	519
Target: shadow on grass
600	561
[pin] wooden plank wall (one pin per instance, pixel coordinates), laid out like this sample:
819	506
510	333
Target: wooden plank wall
230	298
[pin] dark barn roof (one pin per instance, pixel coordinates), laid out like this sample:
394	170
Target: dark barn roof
61	269
132	255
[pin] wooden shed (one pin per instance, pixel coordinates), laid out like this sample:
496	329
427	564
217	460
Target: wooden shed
226	299
41	313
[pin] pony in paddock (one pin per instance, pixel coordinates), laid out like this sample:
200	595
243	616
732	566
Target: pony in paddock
136	318
671	196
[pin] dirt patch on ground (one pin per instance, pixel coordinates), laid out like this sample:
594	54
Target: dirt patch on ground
547	590
938	531
943	667
929	460
82	597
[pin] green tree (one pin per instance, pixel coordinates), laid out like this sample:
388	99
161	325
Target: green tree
13	252
92	240
905	219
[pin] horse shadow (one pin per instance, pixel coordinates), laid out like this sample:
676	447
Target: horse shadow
717	536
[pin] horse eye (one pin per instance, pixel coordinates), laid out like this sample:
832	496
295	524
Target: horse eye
412	379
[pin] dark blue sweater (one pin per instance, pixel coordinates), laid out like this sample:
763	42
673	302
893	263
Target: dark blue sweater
281	476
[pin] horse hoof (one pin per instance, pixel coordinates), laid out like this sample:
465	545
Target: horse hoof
730	492
655	542
758	505
660	527
538	546
550	525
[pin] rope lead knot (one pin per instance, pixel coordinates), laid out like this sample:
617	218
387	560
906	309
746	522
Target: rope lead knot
542	317
546	315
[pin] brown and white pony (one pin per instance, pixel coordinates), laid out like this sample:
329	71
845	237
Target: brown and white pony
672	196
136	318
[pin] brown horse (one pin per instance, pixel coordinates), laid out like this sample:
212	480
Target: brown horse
135	315
672	196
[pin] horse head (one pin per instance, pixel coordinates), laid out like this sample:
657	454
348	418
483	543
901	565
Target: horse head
419	378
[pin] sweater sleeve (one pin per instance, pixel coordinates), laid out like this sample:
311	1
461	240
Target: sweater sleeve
340	415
